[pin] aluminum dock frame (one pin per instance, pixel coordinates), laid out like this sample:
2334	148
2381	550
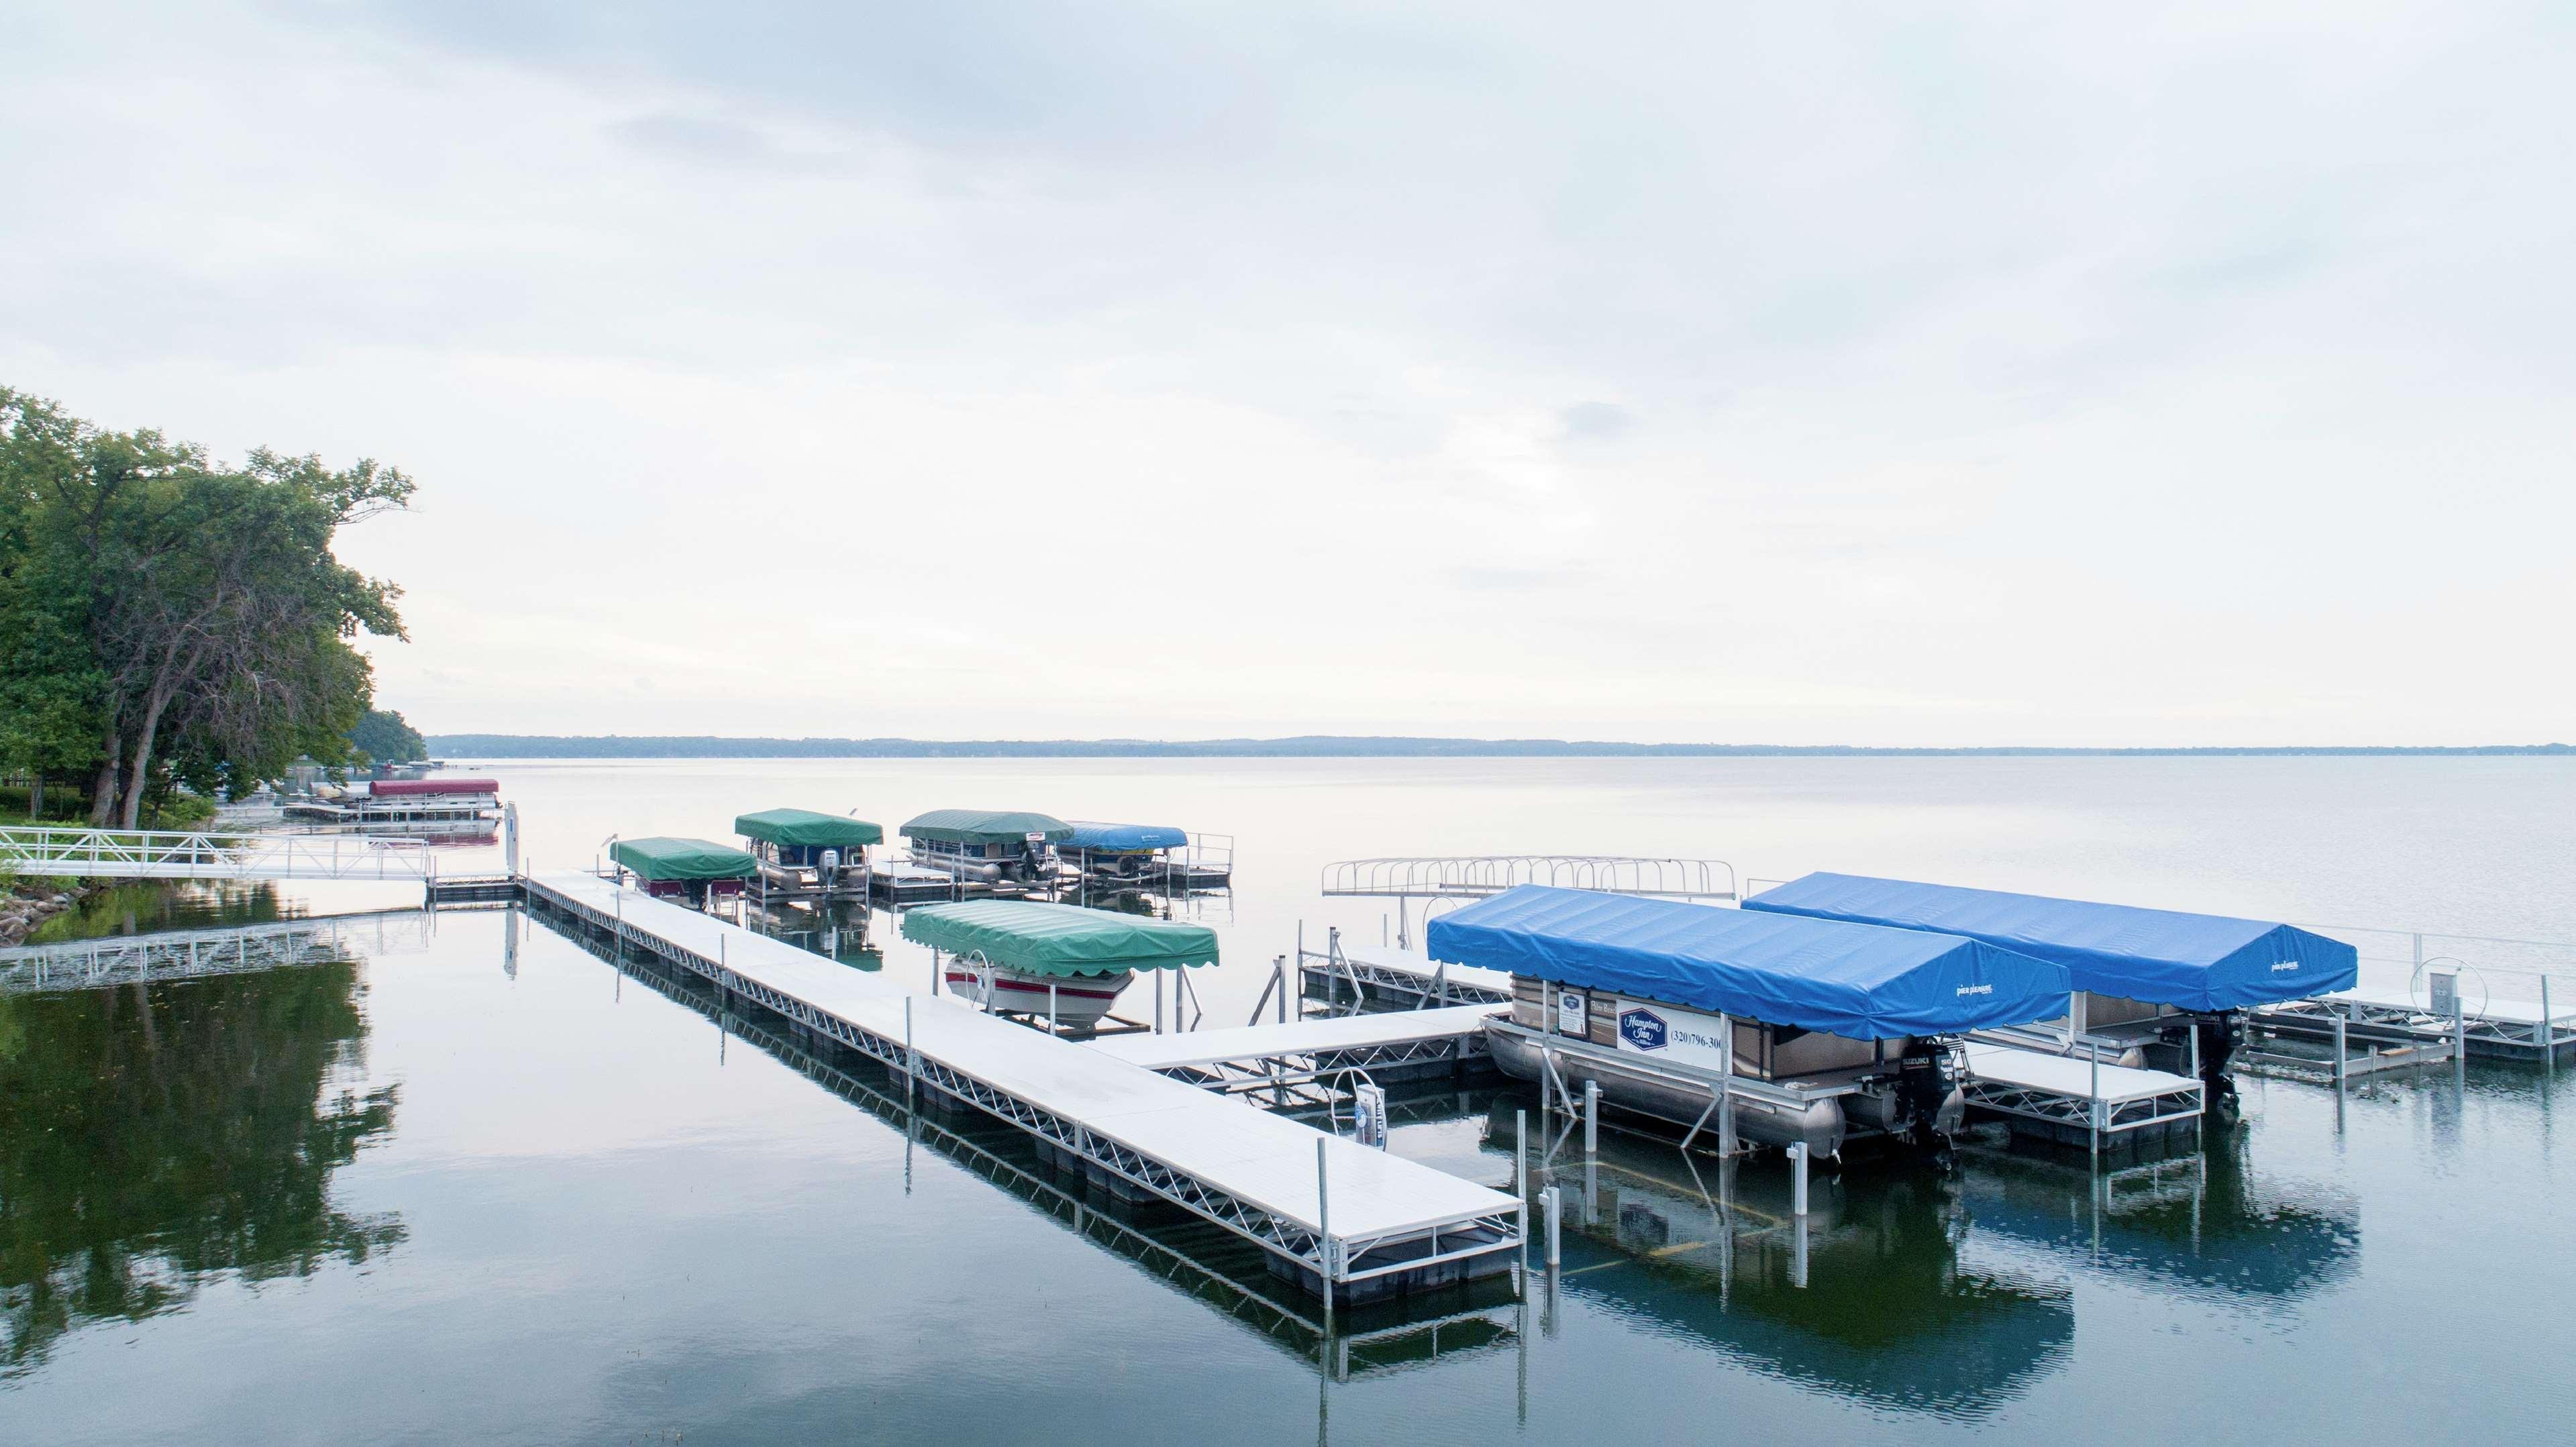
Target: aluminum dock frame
1348	1222
2542	1031
1298	1064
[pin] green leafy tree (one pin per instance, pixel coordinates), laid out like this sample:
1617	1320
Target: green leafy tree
385	738
200	627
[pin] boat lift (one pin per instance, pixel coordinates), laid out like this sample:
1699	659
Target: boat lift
1474	876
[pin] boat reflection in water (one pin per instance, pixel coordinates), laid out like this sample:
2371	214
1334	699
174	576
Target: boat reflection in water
1870	1300
2204	1225
834	929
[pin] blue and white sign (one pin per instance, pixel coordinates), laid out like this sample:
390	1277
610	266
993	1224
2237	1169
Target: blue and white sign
1573	1012
1683	1037
1642	1029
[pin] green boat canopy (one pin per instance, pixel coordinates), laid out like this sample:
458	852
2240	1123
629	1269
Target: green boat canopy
805	827
986	826
1059	939
666	859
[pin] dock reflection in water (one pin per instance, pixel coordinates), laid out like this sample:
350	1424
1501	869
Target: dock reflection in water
2204	1224
156	1138
1198	1260
1868	1299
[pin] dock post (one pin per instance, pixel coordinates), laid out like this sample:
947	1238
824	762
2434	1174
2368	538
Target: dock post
1158	1002
1324	1235
1591	1117
1555	1214
1726	1088
2548	1031
1798	1179
911	1058
1279	968
2342	1061
1520	1178
1051	1025
2459	1039
2093	1109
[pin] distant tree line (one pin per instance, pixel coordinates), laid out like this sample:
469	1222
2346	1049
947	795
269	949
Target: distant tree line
1331	746
382	737
172	620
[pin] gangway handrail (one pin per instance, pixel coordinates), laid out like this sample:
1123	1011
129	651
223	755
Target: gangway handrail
206	854
1468	876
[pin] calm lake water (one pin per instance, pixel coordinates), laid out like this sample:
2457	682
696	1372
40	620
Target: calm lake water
462	1177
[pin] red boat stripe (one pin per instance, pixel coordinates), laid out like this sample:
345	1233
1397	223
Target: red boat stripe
1062	991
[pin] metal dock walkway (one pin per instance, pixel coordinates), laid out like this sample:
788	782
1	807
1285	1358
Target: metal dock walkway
2077	1099
2521	1029
1326	1209
1285	1064
1409	979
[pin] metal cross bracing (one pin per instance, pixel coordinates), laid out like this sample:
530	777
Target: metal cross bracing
1333	1258
197	954
2504	1028
178	854
1362	977
2057	1107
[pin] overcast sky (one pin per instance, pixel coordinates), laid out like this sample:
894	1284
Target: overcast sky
1982	373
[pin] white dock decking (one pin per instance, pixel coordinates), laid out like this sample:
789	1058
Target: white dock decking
1248	1170
1301	1063
1322	1035
2074	1094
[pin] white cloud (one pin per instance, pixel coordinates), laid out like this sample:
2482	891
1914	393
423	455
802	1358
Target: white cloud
1837	373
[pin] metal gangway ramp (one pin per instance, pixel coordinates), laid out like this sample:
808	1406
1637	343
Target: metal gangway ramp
170	955
1329	1209
1288	1063
185	854
1453	877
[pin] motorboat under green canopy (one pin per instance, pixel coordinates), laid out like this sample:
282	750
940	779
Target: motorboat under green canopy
661	859
805	828
986	826
1059	939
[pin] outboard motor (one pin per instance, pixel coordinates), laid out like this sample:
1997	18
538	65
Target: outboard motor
1031	866
2219	1036
1932	1106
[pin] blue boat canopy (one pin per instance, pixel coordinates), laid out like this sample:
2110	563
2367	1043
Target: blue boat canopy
1117	838
1857	981
2188	961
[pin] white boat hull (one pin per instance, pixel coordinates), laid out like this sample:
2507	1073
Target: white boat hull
1080	1000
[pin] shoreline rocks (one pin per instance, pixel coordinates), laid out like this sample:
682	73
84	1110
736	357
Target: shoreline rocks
30	902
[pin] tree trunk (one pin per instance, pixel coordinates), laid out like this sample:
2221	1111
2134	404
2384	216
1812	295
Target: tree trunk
141	778
36	796
102	793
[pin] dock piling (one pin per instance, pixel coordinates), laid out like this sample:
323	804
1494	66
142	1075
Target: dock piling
2343	1061
1555	1200
1324	1234
2548	1036
2093	1109
1591	1117
1520	1178
1798	1180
